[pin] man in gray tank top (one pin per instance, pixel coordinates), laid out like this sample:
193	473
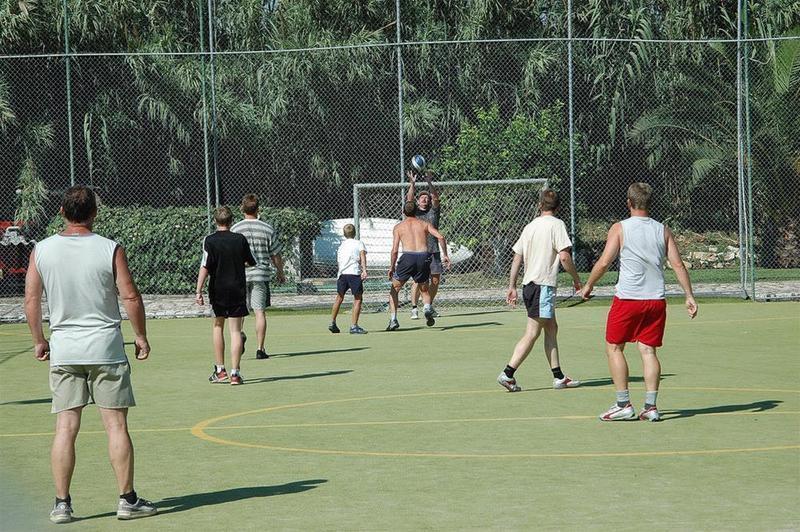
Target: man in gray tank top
639	310
81	273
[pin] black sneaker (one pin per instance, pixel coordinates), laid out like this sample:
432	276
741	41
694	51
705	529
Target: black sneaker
261	354
355	329
333	328
393	325
429	321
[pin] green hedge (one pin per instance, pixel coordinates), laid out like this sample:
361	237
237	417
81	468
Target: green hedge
163	245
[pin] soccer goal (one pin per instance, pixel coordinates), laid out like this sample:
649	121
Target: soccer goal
481	220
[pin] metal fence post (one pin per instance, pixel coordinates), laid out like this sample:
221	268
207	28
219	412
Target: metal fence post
214	140
399	92
739	149
571	131
205	115
68	59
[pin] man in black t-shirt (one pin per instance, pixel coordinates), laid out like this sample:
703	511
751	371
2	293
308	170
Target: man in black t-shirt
427	211
225	255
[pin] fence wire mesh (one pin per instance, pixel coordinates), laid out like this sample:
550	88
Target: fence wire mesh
298	102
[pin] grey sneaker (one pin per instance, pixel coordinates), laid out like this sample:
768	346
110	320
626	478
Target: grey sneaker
355	329
141	508
62	513
414	313
393	325
509	383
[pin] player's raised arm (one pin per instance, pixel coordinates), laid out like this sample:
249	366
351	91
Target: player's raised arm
411	195
613	245
674	258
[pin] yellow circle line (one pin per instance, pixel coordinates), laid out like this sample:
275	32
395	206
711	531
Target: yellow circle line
199	431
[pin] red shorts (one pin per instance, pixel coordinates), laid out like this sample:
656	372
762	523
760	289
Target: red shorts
636	320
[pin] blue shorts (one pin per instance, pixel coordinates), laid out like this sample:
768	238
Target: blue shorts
351	282
540	300
415	265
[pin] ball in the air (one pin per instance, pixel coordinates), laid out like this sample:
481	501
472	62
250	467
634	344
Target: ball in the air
418	162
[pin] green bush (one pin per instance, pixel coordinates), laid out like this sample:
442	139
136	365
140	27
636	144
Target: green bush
164	245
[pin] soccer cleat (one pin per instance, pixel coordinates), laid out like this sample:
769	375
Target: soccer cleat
236	379
566	382
619	413
244	341
333	328
429	321
393	325
509	383
62	513
355	329
650	414
261	354
415	313
217	377
141	508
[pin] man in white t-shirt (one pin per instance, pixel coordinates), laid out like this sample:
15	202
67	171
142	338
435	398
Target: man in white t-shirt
352	257
544	244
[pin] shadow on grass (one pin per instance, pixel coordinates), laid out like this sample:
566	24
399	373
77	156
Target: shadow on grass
756	406
477	313
5	357
191	501
28	402
296	377
469	325
589	383
403	329
319	352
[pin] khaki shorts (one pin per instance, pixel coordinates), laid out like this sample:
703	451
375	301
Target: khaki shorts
106	385
258	295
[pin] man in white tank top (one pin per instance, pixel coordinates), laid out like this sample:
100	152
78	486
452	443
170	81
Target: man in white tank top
81	273
639	311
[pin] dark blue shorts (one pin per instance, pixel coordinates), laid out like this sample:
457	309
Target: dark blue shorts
414	265
349	282
229	311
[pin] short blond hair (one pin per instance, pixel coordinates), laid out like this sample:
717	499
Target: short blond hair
349	231
640	194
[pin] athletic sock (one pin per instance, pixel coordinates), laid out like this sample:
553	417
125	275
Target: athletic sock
393	316
427	307
623	398
68	500
219	369
234	372
650	399
557	373
130	497
509	371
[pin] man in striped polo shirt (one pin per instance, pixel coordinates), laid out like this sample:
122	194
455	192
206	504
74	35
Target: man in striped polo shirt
639	310
266	247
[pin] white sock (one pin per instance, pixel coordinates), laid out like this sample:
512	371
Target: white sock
393	316
219	368
234	372
427	307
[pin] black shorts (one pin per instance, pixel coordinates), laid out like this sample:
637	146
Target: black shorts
540	300
351	282
415	265
229	311
436	263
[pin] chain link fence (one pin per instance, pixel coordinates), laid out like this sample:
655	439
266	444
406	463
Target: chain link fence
256	98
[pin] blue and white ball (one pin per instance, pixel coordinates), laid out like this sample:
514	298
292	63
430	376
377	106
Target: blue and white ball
418	162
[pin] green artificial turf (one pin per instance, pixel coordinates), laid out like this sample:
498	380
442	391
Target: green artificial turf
409	430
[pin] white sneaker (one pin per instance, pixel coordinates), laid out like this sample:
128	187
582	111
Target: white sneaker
415	313
509	383
619	413
566	382
650	414
62	513
141	508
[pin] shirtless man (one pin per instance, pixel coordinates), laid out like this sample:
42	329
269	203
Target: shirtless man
415	262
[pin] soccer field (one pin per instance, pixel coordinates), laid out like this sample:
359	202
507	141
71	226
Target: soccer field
409	430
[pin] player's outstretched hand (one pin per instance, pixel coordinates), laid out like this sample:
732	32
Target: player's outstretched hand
586	292
691	307
142	350
511	297
42	351
412	177
428	176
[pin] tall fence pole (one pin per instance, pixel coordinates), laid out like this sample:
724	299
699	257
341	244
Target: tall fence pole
751	257
739	151
205	115
214	140
571	131
68	60
399	53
